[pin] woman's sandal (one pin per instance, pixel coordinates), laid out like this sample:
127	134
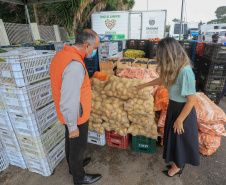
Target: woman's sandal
178	173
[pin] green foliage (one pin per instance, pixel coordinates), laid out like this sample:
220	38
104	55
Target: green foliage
167	28
221	12
176	20
201	23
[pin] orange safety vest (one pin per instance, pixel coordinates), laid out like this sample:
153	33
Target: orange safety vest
57	66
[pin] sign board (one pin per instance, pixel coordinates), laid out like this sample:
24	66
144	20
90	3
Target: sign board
111	25
153	24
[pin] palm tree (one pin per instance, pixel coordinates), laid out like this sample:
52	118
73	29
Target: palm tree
74	14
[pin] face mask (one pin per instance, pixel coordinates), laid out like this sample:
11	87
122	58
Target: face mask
93	54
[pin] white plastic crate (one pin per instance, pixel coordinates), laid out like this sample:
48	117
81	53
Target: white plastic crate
4	162
45	166
9	140
34	124
58	46
5	122
39	147
25	67
27	100
2	106
96	138
16	159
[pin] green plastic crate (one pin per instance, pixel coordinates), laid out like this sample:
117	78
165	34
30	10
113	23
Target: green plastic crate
143	144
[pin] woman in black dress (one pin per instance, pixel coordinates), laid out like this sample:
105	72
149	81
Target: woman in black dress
181	129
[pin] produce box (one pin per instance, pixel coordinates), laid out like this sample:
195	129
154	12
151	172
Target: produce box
114	60
107	71
140	62
106	65
152	64
125	62
115	140
143	144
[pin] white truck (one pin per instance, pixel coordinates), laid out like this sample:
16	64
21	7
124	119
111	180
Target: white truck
120	25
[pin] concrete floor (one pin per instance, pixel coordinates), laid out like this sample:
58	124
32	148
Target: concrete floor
125	167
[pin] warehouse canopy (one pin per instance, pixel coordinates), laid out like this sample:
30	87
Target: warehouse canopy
22	2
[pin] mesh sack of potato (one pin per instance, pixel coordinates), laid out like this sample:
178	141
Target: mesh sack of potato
140	106
135	130
142	120
112	111
95	123
98	85
125	89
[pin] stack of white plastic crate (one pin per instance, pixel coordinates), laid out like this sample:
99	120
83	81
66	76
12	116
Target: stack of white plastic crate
4	162
109	50
27	95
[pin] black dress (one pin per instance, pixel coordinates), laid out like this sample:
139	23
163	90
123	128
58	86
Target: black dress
181	149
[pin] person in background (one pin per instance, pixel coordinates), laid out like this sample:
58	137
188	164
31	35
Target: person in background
72	96
195	37
215	38
204	37
181	145
200	37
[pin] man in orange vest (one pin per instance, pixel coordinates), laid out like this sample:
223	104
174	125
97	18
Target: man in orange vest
72	96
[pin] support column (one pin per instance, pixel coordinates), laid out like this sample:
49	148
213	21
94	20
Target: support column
35	31
57	33
3	34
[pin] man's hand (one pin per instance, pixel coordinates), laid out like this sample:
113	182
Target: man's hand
74	134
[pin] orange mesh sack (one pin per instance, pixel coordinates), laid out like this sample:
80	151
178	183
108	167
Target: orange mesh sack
207	111
100	76
208	144
216	129
162	119
161	99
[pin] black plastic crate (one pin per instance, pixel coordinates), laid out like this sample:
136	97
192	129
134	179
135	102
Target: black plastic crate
152	46
188	47
213	64
131	44
142	45
215	51
211	83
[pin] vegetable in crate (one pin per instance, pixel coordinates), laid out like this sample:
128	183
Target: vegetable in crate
134	53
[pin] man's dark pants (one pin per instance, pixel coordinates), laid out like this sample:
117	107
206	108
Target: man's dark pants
75	148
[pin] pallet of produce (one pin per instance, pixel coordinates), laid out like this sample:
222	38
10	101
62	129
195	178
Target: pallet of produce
46	165
96	138
5	122
22	68
26	100
143	144
16	158
39	147
34	124
116	140
4	162
152	64
140	62
125	62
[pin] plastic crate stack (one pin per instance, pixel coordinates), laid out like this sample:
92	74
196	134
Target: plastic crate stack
4	162
36	135
212	71
188	47
110	50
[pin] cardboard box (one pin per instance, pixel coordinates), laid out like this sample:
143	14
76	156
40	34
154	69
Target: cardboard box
107	71
116	58
135	64
121	64
106	65
152	66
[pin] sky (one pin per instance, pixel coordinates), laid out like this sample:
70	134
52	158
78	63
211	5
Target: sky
194	10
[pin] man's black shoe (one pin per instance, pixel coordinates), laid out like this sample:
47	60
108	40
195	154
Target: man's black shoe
86	161
89	179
